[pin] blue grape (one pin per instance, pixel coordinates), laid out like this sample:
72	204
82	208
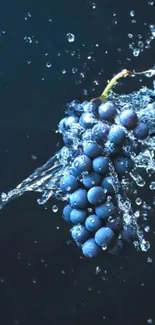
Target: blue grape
81	164
90	249
128	118
96	195
69	121
114	224
123	165
93	179
78	199
87	120
107	111
75	108
101	165
93	223
105	237
78	216
91	149
141	131
117	134
79	233
100	132
108	184
66	212
69	183
105	210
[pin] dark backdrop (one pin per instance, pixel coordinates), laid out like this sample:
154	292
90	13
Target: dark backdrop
43	279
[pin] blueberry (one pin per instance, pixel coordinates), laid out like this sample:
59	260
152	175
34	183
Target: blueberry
96	195
93	223
117	134
79	233
128	118
108	184
105	210
90	249
123	165
141	131
101	165
78	216
105	237
81	164
78	199
68	183
91	180
107	111
66	212
91	149
100	132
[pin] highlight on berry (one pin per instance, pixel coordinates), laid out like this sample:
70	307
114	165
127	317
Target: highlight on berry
108	146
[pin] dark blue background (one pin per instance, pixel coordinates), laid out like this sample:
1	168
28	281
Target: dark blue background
43	279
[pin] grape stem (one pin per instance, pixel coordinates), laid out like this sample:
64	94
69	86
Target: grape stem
123	74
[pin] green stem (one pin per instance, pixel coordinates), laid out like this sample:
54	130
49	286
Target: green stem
123	74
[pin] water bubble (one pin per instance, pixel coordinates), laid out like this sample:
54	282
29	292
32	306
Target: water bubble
70	37
54	208
150	321
48	64
130	35
74	70
63	71
136	52
132	13
98	270
152	186
138	201
147	228
145	245
93	5
104	247
149	260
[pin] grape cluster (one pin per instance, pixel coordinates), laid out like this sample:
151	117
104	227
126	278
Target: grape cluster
103	139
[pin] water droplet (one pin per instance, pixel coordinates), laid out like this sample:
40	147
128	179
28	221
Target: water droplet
136	52
132	13
150	321
93	5
149	260
54	208
138	201
145	245
152	186
48	64
70	37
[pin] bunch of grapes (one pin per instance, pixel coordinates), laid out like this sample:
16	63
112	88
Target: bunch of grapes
103	139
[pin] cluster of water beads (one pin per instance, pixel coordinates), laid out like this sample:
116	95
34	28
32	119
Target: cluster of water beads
46	179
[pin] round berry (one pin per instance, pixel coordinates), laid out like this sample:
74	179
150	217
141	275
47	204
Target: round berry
81	164
141	131
68	183
117	134
66	212
93	223
104	237
87	120
128	118
101	165
78	199
123	165
107	111
105	210
90	249
92	179
91	149
108	184
78	216
79	233
100	132
96	195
